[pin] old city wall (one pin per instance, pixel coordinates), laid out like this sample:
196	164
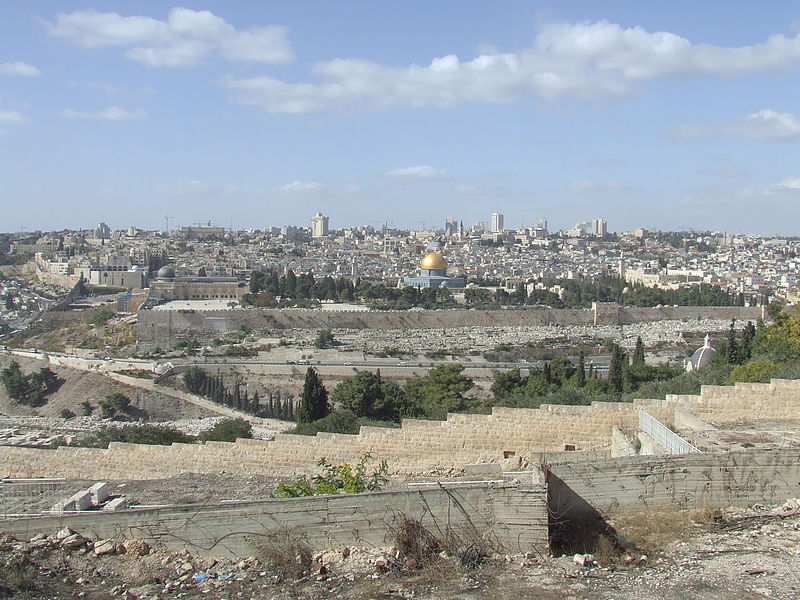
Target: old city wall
166	328
512	519
712	480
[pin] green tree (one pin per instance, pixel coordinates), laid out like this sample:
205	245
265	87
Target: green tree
195	380
505	383
15	382
228	430
439	392
638	353
615	370
757	371
732	351
314	401
580	374
324	339
367	395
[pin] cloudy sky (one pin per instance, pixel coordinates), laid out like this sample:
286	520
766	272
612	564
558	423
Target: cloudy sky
252	113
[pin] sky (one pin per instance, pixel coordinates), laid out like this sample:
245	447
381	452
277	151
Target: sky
257	113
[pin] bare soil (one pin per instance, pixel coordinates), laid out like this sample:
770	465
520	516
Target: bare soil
77	386
751	554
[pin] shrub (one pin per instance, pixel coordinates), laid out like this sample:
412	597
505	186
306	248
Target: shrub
757	371
228	431
339	421
154	435
87	408
100	318
286	553
66	414
113	404
337	480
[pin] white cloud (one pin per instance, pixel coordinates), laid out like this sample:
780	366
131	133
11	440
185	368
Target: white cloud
790	184
599	186
765	125
182	40
12	117
416	172
300	186
112	113
583	60
19	69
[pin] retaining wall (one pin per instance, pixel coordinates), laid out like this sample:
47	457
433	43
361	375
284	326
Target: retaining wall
713	480
510	519
166	328
511	437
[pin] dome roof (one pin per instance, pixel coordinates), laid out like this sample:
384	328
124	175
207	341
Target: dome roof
166	273
433	260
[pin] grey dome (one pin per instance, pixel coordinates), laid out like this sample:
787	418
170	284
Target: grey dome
166	273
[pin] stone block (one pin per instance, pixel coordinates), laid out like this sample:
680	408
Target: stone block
100	492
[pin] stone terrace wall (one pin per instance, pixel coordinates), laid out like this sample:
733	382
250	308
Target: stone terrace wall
514	519
513	435
508	436
166	328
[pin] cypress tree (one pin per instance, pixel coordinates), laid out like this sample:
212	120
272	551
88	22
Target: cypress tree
615	369
638	353
733	347
748	333
314	401
580	374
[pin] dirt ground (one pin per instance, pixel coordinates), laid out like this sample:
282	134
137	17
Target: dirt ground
77	386
738	555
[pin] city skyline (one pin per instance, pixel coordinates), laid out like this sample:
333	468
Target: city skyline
254	114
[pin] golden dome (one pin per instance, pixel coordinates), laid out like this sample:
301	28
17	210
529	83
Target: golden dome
433	260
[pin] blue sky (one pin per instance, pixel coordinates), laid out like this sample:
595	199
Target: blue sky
658	115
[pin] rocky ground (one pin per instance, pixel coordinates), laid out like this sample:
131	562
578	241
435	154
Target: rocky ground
746	554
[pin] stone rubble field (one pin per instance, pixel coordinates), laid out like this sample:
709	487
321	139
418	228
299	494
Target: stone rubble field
740	555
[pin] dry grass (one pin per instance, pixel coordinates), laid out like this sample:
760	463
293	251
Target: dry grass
287	554
653	529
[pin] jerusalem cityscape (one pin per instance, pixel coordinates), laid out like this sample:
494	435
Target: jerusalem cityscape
481	301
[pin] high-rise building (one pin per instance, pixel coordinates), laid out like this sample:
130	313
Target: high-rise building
595	227
497	222
102	232
319	225
450	227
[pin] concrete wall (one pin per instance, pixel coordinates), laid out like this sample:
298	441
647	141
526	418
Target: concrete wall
166	328
693	480
510	519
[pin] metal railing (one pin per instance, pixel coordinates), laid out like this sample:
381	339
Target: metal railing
664	437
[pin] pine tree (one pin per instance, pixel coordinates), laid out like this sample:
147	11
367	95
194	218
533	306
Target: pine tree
255	402
580	374
638	353
314	401
546	371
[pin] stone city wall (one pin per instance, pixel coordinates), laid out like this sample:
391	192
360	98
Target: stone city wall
166	328
510	519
